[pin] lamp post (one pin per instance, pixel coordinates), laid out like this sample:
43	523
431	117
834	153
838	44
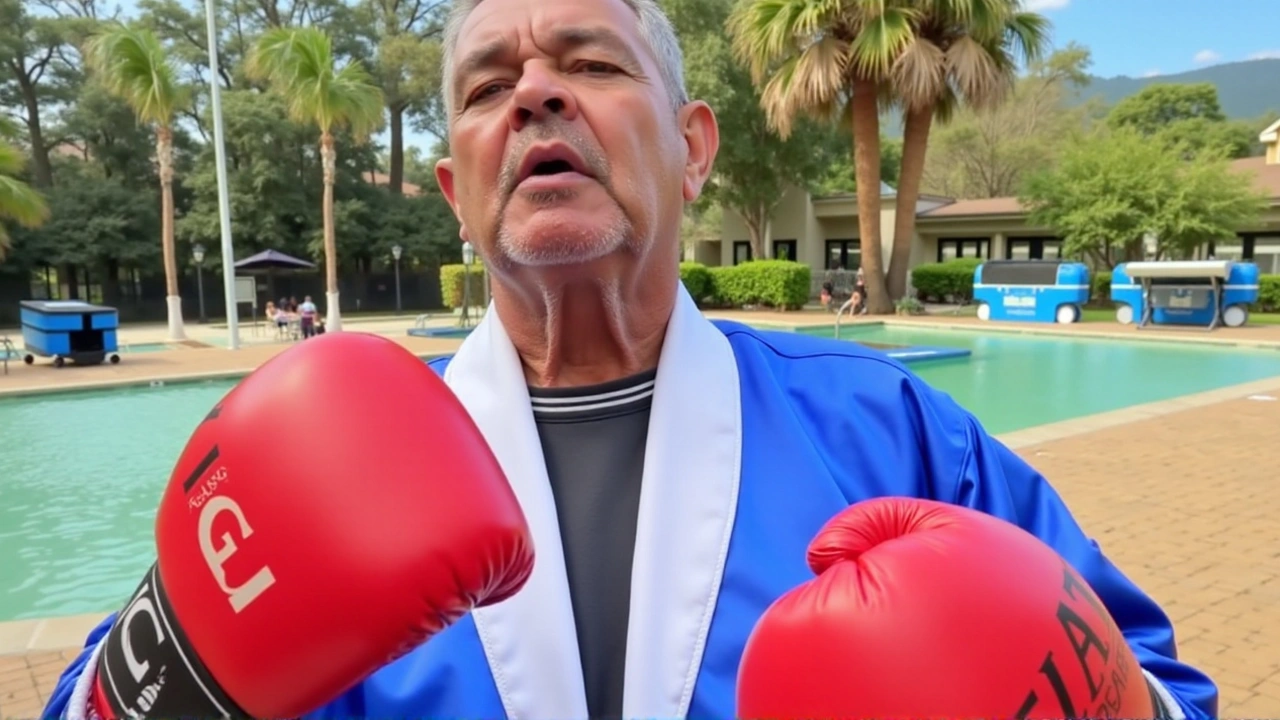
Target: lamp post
197	252
224	202
468	256
396	252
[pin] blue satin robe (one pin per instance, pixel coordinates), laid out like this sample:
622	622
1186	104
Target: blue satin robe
824	424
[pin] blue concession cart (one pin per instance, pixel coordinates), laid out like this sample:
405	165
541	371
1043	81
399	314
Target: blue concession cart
1208	293
69	330
1031	290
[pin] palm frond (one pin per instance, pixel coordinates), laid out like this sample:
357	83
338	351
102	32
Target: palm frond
131	63
880	39
298	64
19	202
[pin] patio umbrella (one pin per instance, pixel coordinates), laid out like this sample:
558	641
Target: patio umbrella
273	260
269	262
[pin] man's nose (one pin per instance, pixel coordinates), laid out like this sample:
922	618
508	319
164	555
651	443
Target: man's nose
539	94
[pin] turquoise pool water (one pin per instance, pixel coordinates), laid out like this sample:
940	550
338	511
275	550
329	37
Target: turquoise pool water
1018	380
81	473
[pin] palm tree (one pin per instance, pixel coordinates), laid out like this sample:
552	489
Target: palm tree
298	63
959	51
132	64
18	201
830	59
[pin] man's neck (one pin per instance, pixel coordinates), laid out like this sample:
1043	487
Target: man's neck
583	333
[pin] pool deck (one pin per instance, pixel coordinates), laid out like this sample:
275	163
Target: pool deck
1179	493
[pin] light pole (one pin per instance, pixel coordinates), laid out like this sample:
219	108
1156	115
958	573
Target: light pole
468	256
396	252
224	201
197	252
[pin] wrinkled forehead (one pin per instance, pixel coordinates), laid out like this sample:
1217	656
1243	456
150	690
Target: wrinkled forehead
497	28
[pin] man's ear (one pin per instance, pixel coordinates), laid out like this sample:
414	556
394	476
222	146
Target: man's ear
444	178
702	136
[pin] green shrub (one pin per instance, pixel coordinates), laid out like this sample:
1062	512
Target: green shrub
697	280
1268	294
451	285
936	282
779	284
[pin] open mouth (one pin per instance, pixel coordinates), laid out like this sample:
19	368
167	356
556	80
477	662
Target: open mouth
552	167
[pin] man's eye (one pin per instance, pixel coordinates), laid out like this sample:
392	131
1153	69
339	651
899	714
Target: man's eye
593	66
484	92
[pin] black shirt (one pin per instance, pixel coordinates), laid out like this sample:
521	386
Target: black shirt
593	439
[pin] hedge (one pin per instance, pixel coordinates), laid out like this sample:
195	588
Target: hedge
945	281
778	284
451	284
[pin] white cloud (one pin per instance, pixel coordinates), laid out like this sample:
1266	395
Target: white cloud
1040	5
1265	55
1206	56
1151	73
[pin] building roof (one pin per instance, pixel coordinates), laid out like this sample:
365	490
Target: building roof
1266	178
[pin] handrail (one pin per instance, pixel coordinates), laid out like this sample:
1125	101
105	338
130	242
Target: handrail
848	305
7	346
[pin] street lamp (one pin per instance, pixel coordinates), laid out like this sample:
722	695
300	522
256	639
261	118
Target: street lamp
468	256
396	252
197	252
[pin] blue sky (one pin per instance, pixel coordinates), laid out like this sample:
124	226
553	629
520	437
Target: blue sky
1127	37
1162	37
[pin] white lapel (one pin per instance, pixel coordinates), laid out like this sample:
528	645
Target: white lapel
687	503
529	639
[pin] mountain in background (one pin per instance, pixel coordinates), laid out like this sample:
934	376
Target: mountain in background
1247	90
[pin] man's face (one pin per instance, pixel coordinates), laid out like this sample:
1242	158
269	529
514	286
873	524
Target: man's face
565	145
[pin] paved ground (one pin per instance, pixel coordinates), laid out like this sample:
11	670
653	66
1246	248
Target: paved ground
1180	494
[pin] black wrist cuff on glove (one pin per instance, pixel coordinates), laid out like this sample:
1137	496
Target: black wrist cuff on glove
148	669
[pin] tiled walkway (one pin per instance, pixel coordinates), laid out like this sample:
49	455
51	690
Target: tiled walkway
1182	495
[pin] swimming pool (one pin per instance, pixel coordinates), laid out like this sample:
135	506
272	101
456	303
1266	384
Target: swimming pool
1013	381
82	472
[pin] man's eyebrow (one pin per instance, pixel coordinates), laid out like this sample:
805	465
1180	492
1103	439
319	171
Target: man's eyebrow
562	40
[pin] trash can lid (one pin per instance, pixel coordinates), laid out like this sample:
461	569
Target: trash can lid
75	307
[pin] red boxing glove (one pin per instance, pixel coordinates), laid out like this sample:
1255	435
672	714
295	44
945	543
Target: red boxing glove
925	609
335	510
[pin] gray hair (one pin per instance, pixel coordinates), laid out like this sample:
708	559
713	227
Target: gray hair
655	28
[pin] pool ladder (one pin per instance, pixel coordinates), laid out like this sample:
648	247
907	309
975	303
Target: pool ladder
848	305
7	349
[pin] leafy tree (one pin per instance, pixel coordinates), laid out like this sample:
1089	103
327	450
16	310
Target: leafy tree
132	64
823	59
1118	186
299	65
988	152
1186	114
19	203
838	176
755	165
954	52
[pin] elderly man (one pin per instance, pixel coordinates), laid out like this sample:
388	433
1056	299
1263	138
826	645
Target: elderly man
672	469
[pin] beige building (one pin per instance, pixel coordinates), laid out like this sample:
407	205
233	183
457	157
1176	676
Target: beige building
823	231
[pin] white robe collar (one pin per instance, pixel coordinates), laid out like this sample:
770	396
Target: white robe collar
687	503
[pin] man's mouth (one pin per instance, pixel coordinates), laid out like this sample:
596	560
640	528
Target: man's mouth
542	164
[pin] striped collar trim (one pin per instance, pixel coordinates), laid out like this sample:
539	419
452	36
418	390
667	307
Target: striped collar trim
605	397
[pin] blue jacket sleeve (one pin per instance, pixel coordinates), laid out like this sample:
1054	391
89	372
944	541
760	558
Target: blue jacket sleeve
973	469
60	698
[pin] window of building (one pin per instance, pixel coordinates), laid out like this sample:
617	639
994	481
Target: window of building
952	248
1033	248
785	250
1263	250
844	254
741	251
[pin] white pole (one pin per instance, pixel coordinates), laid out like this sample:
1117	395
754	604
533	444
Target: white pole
224	202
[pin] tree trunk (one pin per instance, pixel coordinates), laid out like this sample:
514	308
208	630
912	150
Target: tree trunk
755	218
41	167
866	169
164	157
329	162
395	172
915	139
